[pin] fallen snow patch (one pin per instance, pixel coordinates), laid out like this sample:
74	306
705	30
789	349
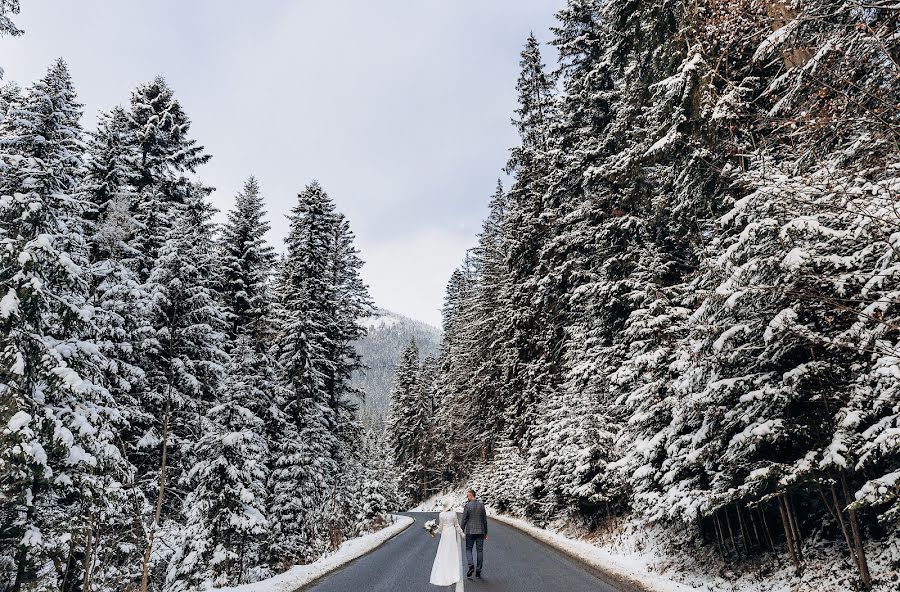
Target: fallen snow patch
302	575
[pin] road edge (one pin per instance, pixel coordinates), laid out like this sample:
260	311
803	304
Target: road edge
403	522
301	577
615	576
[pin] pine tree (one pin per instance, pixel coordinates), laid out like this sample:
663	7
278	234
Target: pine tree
248	262
524	231
407	425
305	470
347	303
164	154
226	524
121	302
188	361
490	329
59	453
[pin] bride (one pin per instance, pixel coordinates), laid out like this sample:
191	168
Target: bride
447	568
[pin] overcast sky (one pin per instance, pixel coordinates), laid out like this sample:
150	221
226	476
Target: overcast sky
401	109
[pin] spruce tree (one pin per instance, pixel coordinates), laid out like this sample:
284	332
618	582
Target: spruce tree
248	261
59	453
225	521
304	470
187	363
525	230
406	423
164	155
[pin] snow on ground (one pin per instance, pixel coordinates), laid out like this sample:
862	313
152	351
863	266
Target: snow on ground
301	575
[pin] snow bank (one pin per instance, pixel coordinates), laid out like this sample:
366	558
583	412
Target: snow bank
631	575
302	575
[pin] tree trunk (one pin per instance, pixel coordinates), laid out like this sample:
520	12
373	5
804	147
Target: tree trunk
745	532
788	532
839	514
88	554
145	571
857	539
22	554
759	543
795	526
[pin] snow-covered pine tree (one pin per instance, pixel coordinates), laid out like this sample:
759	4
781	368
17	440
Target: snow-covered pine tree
380	493
121	302
506	484
305	471
458	443
524	231
248	261
188	360
224	535
120	298
350	302
59	457
489	331
164	154
403	423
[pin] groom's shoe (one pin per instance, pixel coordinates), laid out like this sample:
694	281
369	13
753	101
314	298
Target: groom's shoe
471	569
478	574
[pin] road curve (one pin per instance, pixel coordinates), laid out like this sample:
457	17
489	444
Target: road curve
513	562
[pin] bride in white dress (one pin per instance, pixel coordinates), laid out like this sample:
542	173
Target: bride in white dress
447	569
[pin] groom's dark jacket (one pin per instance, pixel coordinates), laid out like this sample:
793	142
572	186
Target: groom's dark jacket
474	518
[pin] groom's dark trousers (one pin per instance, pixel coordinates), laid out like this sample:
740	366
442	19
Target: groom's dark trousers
476	540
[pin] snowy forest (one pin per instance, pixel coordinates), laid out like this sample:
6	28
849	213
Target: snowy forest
175	400
683	307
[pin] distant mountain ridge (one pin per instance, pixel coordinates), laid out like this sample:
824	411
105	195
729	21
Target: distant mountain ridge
388	334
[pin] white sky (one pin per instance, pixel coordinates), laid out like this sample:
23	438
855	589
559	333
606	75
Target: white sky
401	109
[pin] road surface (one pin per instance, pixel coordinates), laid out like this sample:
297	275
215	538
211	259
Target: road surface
513	562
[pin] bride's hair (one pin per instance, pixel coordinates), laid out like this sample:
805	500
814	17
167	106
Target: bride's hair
447	503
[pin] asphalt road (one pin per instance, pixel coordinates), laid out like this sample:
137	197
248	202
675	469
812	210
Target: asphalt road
513	562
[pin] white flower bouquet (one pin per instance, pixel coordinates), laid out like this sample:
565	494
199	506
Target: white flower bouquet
431	526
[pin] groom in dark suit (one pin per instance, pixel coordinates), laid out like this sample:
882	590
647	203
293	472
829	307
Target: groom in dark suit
474	524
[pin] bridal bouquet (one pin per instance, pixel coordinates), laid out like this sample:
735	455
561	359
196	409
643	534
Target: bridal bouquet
431	526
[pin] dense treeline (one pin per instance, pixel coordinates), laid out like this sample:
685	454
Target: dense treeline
175	405
685	304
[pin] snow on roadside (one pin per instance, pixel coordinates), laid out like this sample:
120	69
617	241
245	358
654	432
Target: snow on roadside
619	568
435	502
301	575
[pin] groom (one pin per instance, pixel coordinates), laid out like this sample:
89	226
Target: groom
474	524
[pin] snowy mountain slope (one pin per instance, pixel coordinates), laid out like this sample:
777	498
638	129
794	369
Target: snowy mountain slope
388	334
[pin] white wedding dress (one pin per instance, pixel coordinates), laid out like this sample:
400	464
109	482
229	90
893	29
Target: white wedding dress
448	567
